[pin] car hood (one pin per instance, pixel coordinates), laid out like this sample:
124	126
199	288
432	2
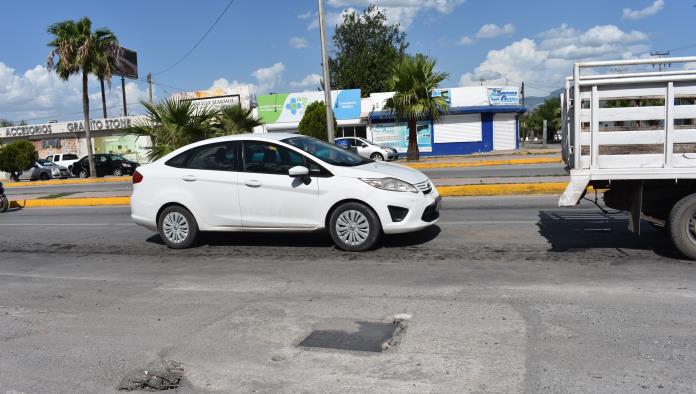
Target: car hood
381	170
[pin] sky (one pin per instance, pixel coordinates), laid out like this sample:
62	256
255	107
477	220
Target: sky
274	45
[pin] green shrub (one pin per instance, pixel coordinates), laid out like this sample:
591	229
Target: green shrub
313	121
17	157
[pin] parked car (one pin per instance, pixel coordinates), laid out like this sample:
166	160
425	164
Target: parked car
43	170
64	159
280	182
369	149
107	164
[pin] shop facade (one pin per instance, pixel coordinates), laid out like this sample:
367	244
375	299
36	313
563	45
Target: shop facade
108	136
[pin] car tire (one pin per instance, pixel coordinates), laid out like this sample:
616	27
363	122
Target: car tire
354	227
44	176
83	174
177	227
4	203
682	226
377	157
118	172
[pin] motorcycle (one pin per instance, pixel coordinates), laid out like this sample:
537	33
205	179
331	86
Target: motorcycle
4	202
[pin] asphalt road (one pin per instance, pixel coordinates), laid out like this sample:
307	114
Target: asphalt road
506	295
530	171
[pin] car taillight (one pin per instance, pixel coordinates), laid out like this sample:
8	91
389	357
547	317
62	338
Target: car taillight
137	177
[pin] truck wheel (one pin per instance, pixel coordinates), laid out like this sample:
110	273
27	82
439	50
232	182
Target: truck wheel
682	226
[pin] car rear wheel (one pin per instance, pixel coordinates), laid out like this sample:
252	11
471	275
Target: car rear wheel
118	172
354	227
177	227
4	203
377	157
83	174
682	226
44	176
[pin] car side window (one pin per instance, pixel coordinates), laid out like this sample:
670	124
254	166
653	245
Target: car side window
220	156
101	159
49	158
267	158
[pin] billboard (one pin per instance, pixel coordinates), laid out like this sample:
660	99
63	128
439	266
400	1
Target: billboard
215	102
395	135
290	107
126	63
503	96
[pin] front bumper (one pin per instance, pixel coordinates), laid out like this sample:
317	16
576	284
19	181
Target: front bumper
423	211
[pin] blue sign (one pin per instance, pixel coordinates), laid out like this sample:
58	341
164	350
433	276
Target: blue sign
503	96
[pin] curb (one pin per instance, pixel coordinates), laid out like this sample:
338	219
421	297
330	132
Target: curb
68	182
548	160
71	202
501	189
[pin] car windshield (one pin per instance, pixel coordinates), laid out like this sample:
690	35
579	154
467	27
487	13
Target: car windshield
45	162
326	152
117	158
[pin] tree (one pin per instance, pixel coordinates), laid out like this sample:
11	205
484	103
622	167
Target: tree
549	110
173	123
17	157
236	120
313	121
6	123
414	79
367	49
79	50
105	63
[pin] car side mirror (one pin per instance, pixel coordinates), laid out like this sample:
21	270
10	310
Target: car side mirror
301	172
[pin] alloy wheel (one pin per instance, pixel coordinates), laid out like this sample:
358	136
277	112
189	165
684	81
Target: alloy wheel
352	227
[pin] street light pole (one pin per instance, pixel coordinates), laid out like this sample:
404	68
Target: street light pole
327	84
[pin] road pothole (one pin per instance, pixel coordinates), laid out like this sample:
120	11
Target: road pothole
166	375
362	336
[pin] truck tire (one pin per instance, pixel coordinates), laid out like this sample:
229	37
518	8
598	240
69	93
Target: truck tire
682	226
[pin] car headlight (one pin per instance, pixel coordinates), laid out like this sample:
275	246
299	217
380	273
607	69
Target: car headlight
391	184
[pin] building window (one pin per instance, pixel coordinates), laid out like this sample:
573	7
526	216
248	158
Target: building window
352	131
50	143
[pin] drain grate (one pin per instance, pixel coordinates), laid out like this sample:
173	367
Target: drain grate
355	335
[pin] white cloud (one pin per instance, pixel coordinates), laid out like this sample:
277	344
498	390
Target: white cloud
307	15
298	42
331	19
269	77
492	30
466	40
402	12
310	82
654	8
543	65
41	95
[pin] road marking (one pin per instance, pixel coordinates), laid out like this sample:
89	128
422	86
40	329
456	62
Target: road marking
67	224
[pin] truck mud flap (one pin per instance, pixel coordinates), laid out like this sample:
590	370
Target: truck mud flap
636	201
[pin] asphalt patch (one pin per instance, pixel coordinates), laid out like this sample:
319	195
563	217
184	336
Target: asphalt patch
356	335
166	376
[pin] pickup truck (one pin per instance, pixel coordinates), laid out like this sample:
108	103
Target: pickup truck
64	159
632	134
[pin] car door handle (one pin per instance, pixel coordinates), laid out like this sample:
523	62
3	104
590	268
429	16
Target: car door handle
189	178
252	183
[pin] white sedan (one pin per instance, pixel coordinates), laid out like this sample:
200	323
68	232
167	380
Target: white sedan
280	182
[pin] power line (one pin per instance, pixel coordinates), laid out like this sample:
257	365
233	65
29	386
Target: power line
199	41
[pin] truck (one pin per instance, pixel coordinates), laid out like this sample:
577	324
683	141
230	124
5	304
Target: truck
629	131
64	159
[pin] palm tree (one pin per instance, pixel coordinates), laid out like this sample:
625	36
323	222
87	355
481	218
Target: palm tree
414	80
236	120
79	50
172	123
105	63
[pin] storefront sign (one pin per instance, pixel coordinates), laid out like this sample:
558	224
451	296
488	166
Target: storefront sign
70	127
215	102
395	135
503	96
290	107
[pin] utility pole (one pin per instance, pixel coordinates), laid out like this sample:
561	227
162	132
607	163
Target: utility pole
543	134
123	93
327	84
659	55
521	117
149	86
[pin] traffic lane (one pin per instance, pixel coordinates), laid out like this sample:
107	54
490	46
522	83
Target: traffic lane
503	314
505	227
531	170
123	187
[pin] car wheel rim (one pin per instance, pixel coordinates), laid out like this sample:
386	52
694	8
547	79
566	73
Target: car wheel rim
175	227
118	173
691	230
377	157
352	227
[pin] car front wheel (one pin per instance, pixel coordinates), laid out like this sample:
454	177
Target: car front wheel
377	157
83	174
118	172
355	227
177	227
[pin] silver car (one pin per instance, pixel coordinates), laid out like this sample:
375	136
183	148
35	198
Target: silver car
369	149
44	170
